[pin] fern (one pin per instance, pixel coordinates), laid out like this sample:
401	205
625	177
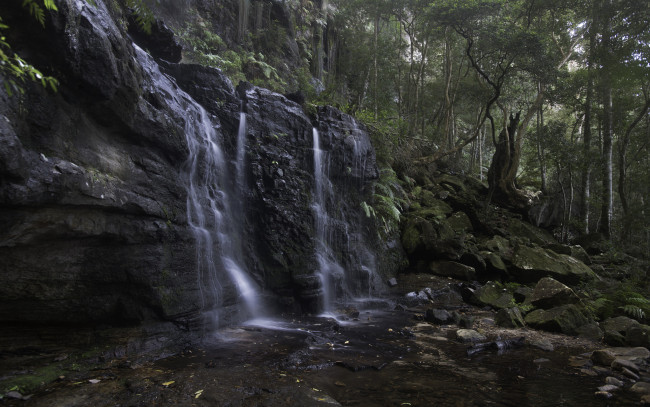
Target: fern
142	13
633	311
368	210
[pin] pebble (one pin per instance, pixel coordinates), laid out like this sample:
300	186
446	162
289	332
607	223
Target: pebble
627	372
613	381
608	388
641	387
619	364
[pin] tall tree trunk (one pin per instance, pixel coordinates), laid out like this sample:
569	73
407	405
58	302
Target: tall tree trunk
540	148
608	132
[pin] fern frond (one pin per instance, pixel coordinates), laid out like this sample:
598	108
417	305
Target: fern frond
633	311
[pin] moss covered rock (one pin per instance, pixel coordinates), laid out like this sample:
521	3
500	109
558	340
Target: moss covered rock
529	264
565	318
549	293
493	295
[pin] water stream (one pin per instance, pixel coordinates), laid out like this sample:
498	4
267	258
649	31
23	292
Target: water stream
211	218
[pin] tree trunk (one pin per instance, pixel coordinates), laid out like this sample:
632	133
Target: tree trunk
608	135
503	168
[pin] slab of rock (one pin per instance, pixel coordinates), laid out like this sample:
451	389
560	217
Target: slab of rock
510	318
543	344
620	364
493	295
469	335
614	381
590	331
549	293
529	264
565	318
453	269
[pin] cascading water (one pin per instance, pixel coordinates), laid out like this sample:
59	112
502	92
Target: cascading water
212	221
241	152
329	271
346	267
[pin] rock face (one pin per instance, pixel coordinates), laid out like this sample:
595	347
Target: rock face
93	221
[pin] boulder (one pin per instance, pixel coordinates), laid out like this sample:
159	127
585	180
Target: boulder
509	318
575	251
549	293
565	318
638	335
618	324
603	357
530	264
438	316
590	331
452	269
460	222
519	228
493	295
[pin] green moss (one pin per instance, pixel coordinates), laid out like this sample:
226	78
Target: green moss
29	382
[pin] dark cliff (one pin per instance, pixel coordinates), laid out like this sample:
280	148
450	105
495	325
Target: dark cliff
93	221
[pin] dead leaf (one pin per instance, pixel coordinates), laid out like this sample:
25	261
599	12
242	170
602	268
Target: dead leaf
166	384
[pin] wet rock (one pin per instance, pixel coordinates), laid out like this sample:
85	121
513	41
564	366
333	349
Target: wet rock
453	269
160	42
494	295
549	293
608	388
475	261
464	321
636	355
499	245
638	336
566	319
614	381
618	324
469	335
438	316
510	318
522	294
392	282
543	344
629	374
603	395
614	338
641	387
620	364
603	357
533	263
645	399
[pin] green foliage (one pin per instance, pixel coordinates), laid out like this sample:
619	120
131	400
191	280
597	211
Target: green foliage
142	13
389	200
623	300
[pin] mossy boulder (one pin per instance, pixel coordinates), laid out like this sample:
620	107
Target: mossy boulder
529	264
549	293
575	251
494	295
499	244
460	222
433	206
565	318
517	227
493	263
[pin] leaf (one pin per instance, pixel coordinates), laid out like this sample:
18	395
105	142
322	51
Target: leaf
198	394
166	384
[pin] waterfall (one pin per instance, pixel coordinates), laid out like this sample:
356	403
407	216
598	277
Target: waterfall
241	152
210	216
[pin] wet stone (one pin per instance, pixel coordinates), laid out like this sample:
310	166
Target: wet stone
641	387
613	381
620	364
603	395
608	388
438	316
469	335
543	344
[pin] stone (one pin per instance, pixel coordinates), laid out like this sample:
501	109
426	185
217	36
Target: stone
493	295
543	344
618	324
549	293
645	399
608	388
469	335
641	387
529	264
475	261
392	282
638	335
452	269
522	294
575	251
620	364
590	331
629	374
517	227
603	357
614	338
614	381
565	318
509	318
438	316
636	354
460	222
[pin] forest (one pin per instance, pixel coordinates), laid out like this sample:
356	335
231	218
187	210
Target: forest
324	202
